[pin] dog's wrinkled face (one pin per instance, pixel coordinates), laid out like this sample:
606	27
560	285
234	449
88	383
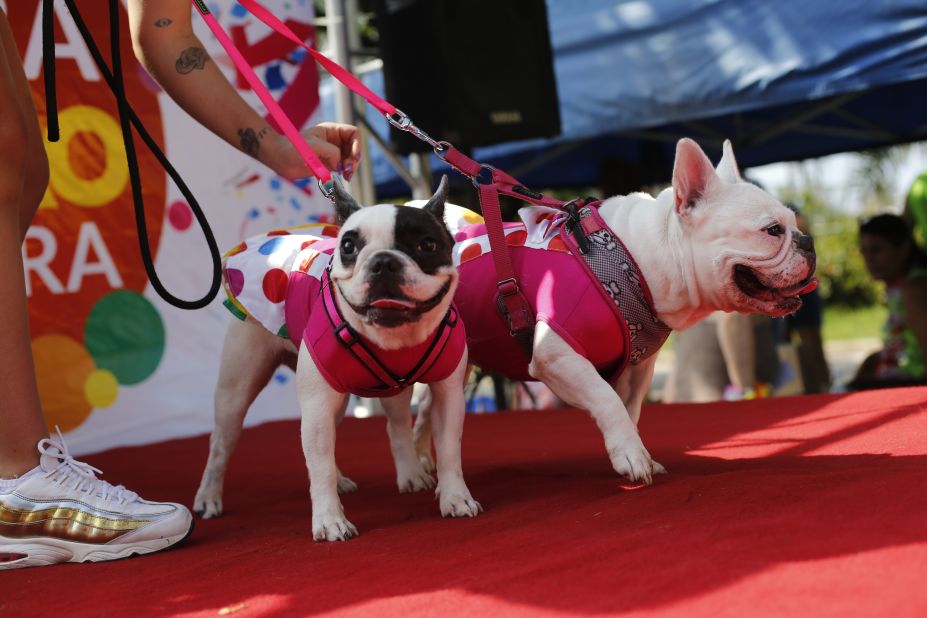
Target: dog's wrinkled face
393	265
748	251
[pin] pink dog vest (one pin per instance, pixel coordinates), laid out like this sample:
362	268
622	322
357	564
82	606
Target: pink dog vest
597	301
281	280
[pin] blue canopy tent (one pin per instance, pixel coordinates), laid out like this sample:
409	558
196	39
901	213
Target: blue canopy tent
783	80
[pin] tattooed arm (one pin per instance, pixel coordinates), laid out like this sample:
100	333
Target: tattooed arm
164	41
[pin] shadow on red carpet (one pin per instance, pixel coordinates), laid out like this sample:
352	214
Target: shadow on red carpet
798	506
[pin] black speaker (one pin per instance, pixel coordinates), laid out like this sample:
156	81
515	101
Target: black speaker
471	72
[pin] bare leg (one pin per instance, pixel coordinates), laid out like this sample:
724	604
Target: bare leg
632	387
410	474
736	338
345	485
421	432
574	379
448	418
250	355
22	184
321	405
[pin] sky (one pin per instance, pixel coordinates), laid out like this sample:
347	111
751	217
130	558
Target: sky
835	174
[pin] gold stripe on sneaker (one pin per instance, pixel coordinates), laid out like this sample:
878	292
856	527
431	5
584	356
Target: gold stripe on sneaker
64	523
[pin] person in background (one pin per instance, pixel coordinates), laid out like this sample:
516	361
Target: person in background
54	508
806	323
892	256
725	356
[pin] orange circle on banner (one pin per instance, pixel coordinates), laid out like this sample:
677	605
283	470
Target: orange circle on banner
62	368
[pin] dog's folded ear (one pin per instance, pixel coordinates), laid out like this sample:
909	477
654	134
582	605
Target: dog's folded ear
345	205
692	175
436	204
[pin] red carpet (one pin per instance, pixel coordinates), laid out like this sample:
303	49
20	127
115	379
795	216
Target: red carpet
812	506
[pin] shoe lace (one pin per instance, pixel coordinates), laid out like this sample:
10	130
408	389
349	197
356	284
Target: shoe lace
79	475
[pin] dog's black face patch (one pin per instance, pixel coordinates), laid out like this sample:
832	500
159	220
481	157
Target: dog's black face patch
349	246
423	238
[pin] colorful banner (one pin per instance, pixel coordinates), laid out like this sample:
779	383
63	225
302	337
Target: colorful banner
116	365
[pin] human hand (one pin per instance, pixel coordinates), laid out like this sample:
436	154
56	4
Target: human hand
337	146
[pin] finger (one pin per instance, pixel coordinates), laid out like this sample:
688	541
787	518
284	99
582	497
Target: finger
328	153
346	137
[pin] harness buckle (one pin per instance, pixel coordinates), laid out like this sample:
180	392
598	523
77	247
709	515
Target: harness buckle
508	287
573	226
345	334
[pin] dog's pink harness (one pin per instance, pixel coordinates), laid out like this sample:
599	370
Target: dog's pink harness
281	280
596	299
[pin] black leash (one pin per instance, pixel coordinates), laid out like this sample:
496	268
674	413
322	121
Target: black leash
127	117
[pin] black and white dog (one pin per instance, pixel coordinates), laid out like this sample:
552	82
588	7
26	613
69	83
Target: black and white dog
368	312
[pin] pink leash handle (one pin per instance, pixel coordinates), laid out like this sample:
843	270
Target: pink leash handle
315	164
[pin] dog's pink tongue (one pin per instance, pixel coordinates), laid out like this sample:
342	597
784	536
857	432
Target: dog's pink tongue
813	284
392	303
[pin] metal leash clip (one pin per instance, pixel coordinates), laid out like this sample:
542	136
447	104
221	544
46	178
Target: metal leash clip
401	121
328	188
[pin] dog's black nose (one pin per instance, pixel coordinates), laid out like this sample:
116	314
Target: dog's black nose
385	262
804	241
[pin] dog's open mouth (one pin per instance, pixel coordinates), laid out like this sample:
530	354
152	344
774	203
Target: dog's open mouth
785	298
395	309
399	304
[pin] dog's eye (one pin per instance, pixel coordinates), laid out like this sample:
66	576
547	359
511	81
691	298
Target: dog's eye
428	245
348	247
774	230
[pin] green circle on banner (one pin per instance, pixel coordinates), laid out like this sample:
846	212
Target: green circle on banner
125	335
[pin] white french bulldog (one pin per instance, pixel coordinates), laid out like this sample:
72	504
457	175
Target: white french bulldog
710	242
391	276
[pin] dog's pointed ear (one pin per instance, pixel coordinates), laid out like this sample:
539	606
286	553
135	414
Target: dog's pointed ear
436	204
727	169
345	205
692	175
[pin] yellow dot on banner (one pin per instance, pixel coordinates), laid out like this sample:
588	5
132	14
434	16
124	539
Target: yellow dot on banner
101	388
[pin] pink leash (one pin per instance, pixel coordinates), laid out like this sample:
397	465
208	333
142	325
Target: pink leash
488	181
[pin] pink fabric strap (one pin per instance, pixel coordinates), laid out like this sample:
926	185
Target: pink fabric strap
350	340
343	76
315	164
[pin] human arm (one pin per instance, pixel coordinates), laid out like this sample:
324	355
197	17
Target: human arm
164	42
914	298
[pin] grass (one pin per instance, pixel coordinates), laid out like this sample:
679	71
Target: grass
853	323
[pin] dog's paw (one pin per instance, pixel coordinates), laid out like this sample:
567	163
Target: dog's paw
633	462
332	528
345	485
416	480
207	504
458	503
658	467
426	459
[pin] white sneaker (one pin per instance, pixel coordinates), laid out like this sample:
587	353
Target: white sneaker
61	512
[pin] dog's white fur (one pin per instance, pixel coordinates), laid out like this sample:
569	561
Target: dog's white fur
686	242
251	354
